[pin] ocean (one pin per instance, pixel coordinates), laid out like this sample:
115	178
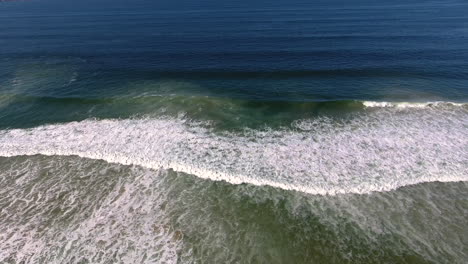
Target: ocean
234	131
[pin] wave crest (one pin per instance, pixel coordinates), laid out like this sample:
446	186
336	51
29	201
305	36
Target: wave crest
402	105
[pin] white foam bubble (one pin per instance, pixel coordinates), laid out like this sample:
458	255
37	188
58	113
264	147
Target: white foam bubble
403	105
100	219
376	151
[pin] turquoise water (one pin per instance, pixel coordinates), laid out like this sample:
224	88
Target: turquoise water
249	132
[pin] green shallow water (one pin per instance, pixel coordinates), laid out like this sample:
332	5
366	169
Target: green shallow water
226	113
69	209
37	91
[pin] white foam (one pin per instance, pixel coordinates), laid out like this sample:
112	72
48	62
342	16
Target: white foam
120	221
377	151
403	105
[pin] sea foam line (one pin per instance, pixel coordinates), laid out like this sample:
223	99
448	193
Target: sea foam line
403	105
374	152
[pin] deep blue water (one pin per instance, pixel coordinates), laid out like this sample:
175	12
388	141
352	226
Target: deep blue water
317	50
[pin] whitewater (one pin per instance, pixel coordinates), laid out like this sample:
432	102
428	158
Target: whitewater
378	150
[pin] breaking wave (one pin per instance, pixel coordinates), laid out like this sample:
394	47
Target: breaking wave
403	105
374	151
